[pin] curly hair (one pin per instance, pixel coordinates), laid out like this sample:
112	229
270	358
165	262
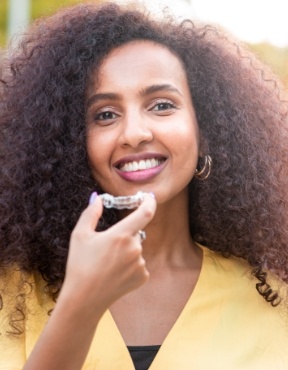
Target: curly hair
240	210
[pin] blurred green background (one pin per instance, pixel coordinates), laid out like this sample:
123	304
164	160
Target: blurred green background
38	8
276	57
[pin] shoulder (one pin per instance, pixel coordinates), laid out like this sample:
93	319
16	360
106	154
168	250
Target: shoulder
227	271
234	277
22	294
13	281
232	269
23	314
241	307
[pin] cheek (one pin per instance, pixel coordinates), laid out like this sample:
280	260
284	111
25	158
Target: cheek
96	161
186	138
95	152
186	146
192	137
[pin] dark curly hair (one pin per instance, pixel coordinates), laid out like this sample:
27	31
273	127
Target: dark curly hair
240	210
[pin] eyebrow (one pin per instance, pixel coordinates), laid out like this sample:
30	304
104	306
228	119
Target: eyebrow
102	96
147	91
155	88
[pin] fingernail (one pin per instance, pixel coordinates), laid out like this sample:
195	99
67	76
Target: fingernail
93	197
152	194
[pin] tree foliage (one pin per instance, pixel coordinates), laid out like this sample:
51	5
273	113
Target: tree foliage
276	57
39	8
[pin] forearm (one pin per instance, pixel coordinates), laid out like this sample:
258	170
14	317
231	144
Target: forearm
66	338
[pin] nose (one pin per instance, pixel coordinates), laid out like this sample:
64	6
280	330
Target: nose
135	130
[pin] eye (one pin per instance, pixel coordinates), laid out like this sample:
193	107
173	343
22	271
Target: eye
105	117
162	106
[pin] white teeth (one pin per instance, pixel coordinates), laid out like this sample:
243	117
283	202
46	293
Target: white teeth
130	167
148	164
135	166
153	163
141	165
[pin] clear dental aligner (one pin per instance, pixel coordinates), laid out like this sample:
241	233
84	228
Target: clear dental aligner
122	202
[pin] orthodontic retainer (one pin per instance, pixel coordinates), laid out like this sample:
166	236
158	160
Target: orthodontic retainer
122	202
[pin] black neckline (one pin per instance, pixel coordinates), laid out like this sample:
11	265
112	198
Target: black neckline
144	348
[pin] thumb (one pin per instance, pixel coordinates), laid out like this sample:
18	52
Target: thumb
91	215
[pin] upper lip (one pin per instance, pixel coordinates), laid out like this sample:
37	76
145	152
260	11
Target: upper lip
138	157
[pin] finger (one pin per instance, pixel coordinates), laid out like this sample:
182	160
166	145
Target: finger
90	216
139	218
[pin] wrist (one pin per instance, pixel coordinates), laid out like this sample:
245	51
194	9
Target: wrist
75	303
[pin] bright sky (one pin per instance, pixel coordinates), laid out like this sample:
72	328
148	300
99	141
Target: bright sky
250	20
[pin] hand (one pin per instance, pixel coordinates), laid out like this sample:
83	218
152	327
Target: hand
103	266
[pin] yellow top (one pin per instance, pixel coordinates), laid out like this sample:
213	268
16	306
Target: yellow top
225	324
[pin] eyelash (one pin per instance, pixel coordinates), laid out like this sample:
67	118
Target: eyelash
98	115
163	102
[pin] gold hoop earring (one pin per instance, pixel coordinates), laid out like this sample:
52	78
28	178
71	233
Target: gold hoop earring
204	172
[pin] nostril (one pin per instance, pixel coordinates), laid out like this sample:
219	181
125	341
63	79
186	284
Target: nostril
136	136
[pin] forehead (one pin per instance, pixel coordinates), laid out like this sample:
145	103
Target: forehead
139	60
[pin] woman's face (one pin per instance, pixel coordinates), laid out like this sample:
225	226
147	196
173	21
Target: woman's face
142	132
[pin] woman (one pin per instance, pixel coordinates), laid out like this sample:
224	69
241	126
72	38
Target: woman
106	100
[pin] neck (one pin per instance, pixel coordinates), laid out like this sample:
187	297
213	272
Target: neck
168	240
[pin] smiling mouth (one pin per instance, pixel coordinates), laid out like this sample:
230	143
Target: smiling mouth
143	164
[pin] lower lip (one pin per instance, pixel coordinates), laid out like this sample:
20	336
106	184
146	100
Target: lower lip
141	175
